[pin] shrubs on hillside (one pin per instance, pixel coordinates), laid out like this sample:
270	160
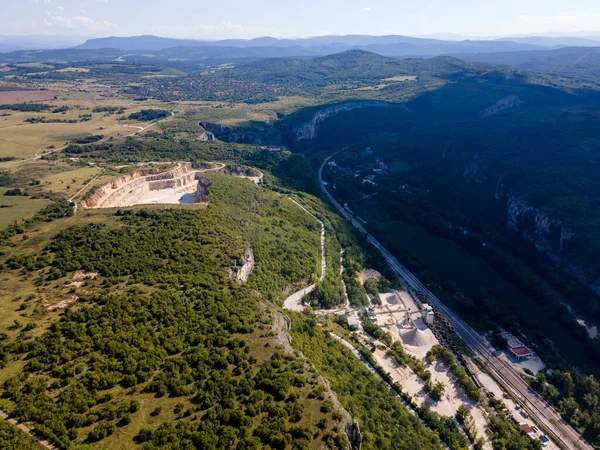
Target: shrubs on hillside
147	115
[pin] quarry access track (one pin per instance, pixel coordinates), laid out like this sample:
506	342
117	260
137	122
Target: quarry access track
24	428
294	301
503	373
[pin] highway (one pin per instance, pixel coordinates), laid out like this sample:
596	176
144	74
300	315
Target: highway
541	412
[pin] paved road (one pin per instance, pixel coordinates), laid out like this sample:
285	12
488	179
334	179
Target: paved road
540	411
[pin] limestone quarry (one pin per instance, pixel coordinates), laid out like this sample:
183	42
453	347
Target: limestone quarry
145	186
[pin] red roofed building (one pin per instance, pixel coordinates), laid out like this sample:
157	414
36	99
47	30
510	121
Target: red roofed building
521	352
526	428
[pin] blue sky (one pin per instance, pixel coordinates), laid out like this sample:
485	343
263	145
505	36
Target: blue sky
292	18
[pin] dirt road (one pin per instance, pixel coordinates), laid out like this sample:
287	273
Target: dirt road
294	301
29	431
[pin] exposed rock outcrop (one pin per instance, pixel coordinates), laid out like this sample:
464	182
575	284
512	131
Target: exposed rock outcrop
549	236
207	136
501	189
245	270
354	435
229	135
474	172
214	128
308	130
202	190
501	105
250	173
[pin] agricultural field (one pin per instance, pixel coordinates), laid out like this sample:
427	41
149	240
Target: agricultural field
15	208
70	181
21	96
74	69
53	130
402	78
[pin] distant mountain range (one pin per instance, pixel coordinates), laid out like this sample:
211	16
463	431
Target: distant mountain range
38	42
569	61
392	45
320	45
571	55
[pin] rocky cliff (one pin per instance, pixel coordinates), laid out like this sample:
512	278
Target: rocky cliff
202	189
501	105
550	236
231	135
547	234
308	130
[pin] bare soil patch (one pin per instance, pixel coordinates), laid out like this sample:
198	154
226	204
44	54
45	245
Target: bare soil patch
23	237
368	274
82	275
13	97
63	303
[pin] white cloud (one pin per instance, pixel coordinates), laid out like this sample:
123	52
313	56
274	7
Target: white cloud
17	27
367	10
54	20
222	30
47	2
563	21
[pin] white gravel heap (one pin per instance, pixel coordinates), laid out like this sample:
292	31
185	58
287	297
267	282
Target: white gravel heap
416	338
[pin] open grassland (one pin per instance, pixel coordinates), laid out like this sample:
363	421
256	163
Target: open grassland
402	78
69	182
27	306
24	140
235	113
74	69
15	208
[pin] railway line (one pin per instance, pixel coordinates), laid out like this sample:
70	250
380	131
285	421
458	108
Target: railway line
539	410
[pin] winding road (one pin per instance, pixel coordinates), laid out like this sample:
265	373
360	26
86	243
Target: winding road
294	301
540	411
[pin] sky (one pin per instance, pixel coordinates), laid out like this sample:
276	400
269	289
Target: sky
221	19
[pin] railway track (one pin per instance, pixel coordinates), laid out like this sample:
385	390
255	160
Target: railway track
539	410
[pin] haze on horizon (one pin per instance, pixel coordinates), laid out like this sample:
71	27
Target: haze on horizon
242	19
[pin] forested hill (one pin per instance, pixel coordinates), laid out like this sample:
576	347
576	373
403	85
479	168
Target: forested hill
570	61
166	350
349	65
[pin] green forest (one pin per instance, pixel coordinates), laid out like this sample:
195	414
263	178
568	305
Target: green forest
168	322
166	337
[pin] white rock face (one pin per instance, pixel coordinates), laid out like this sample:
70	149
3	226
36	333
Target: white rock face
308	130
147	186
549	236
501	105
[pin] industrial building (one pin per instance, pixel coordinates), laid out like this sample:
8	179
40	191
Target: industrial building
516	347
427	314
352	322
